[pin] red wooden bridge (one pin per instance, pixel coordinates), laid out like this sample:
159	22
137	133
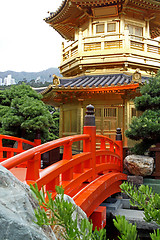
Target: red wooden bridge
88	177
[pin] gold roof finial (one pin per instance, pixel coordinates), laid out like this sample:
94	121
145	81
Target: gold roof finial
56	81
136	77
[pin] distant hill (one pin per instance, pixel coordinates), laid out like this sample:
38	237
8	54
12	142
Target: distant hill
45	75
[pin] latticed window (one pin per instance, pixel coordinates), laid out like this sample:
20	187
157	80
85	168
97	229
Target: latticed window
137	31
106	119
110	112
100	28
98	112
111	27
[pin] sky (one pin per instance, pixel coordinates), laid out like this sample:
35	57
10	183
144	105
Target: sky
27	42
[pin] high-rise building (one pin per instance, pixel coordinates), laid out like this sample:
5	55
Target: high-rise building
1	81
9	80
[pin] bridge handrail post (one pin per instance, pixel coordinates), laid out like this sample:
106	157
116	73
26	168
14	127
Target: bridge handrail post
90	128
19	145
67	155
120	144
37	142
103	144
111	148
33	168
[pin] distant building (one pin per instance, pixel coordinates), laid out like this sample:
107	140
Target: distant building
9	80
1	81
38	79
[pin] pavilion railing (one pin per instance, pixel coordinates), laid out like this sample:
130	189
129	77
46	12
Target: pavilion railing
119	42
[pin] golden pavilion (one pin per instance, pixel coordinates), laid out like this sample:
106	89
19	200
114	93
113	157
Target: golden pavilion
112	49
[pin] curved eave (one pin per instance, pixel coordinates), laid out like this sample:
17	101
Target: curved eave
57	95
72	13
151	9
150	3
100	2
112	88
65	19
54	14
47	90
67	32
73	7
74	4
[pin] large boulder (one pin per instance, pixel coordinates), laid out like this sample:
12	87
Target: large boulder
139	165
17	211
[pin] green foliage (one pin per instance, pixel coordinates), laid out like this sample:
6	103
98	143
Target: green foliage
145	101
146	127
153	86
23	114
62	212
155	235
54	128
126	229
145	199
7	95
143	146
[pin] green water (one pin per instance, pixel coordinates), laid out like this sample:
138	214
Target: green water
154	183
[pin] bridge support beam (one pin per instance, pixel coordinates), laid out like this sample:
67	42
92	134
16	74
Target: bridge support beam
98	217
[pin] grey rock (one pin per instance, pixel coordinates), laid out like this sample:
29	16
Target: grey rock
78	211
58	230
135	216
139	165
17	211
135	180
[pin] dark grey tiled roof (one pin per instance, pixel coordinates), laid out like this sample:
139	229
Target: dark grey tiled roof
97	80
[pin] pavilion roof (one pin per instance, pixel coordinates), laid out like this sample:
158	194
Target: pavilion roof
92	81
73	13
83	87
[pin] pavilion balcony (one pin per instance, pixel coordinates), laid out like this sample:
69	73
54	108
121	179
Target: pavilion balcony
110	49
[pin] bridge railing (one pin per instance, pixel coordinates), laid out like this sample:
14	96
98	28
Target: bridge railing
11	146
73	170
115	150
33	155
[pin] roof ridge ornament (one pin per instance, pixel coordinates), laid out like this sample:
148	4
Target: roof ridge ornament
136	77
56	81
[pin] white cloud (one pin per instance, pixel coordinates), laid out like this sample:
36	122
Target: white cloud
27	43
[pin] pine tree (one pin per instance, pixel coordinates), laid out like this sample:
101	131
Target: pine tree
146	128
23	114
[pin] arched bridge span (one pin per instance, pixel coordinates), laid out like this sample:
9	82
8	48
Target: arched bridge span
88	177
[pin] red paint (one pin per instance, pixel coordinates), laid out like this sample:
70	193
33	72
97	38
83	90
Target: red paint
98	218
89	177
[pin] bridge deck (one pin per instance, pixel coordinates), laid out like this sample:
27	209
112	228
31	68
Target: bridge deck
94	193
89	177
